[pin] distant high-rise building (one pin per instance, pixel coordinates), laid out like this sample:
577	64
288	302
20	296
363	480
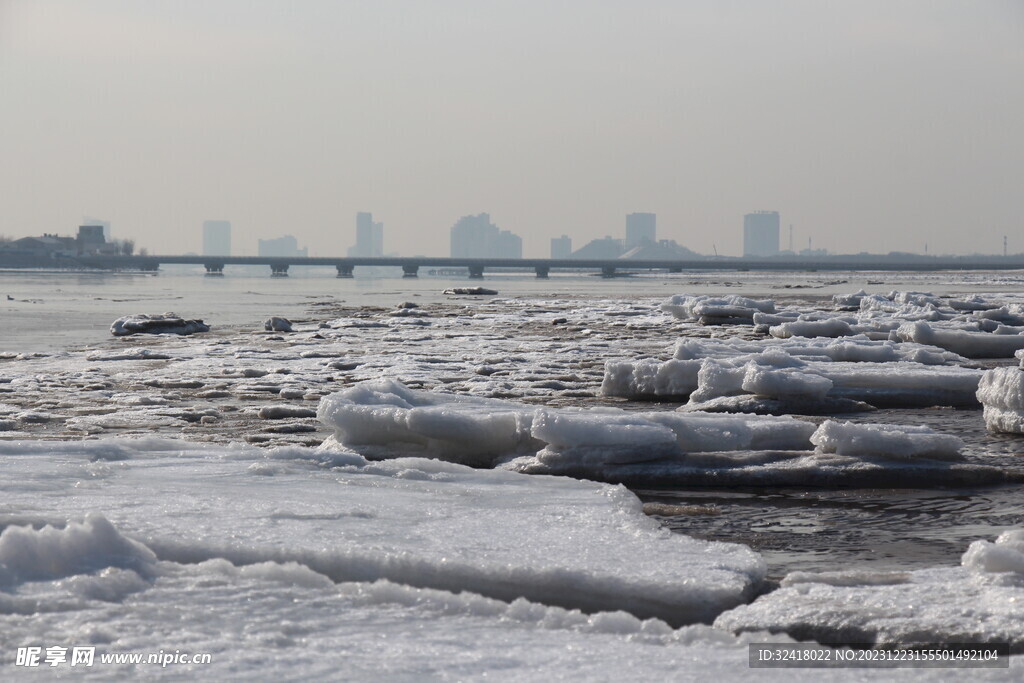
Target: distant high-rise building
282	246
507	245
476	236
369	236
89	220
640	229
216	238
761	233
561	247
90	239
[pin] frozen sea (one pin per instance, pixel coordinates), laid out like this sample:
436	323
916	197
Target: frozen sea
196	494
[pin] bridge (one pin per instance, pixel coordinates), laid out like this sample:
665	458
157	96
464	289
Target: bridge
476	267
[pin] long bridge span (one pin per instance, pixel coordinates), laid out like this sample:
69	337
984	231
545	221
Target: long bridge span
475	267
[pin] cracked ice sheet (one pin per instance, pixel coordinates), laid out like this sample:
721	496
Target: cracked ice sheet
412	521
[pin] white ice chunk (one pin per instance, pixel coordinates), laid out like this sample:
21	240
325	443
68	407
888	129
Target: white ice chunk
915	298
1001	392
386	414
168	323
857	348
882	384
1005	555
772	382
384	419
894	379
277	324
968	344
27	554
650	377
885	440
831	327
848	301
973	303
715	310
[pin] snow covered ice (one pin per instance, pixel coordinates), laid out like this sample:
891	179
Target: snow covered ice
796	374
168	323
440	544
978	602
1001	392
386	419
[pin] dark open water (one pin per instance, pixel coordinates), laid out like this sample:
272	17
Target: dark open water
887	530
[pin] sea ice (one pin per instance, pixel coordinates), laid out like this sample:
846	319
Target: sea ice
857	348
135	353
168	323
386	418
277	324
283	621
717	311
1001	392
27	554
423	523
885	440
845	302
963	342
975	603
777	374
831	327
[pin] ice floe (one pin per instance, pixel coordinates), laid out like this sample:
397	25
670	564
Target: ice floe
1001	392
717	310
385	419
168	323
963	342
417	522
277	324
793	378
978	602
890	441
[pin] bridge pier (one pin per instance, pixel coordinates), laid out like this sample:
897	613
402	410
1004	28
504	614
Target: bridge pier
476	272
607	271
214	269
344	271
279	270
542	272
410	271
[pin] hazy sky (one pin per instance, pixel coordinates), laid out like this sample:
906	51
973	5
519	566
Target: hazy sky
873	125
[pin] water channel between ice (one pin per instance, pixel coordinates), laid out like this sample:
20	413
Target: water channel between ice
853	528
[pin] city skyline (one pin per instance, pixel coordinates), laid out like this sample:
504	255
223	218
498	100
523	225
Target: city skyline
870	126
760	233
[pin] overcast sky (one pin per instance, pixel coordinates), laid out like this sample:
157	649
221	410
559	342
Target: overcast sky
870	125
